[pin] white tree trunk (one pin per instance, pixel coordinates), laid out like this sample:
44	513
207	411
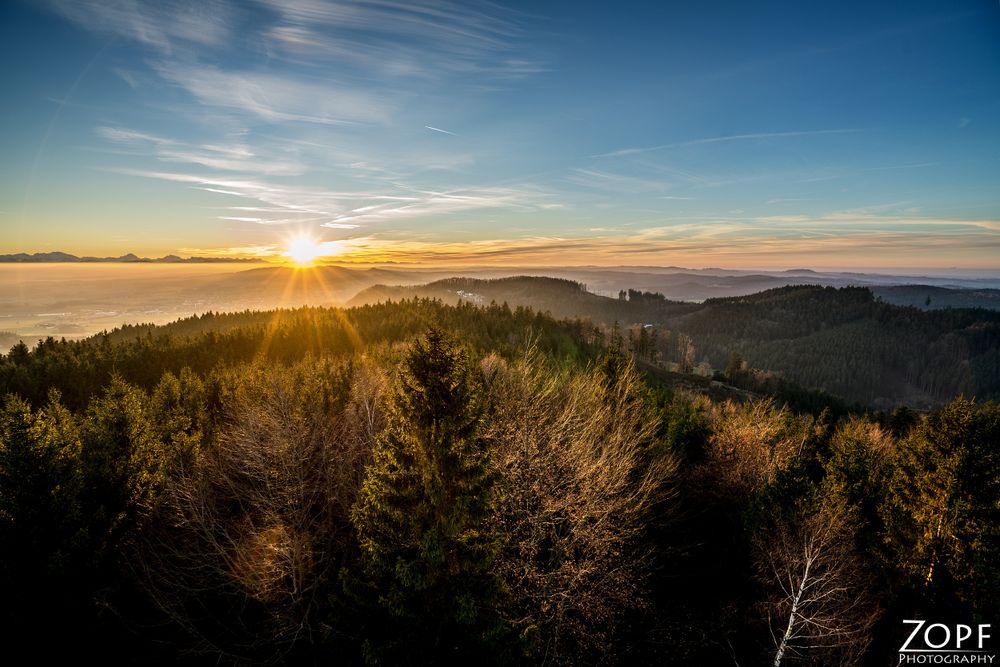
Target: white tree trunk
783	645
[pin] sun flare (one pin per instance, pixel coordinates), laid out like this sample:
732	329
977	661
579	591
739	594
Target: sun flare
303	250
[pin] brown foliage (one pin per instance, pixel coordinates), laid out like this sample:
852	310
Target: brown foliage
750	443
248	540
581	483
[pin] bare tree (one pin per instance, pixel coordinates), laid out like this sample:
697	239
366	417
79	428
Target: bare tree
366	410
751	442
248	542
580	484
821	610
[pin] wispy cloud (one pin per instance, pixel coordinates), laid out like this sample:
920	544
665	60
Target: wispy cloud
756	136
164	25
761	242
220	157
348	210
413	39
891	167
127	77
615	182
374	46
279	98
262	251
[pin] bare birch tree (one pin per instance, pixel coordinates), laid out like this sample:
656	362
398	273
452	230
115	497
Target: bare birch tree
820	611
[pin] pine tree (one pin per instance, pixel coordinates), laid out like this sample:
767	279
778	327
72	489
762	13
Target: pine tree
420	517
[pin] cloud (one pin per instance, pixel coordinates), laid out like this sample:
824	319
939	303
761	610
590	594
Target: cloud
615	182
164	25
125	135
127	77
370	44
435	203
963	122
761	242
261	251
220	157
425	39
891	167
280	98
349	209
756	136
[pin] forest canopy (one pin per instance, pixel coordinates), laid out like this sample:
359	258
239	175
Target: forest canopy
420	483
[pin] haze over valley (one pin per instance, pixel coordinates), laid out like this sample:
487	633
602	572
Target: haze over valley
70	300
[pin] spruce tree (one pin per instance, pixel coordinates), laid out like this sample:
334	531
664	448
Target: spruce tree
421	516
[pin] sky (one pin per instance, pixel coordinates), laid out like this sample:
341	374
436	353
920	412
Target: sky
708	134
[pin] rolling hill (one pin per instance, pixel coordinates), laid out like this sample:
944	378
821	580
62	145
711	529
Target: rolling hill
844	341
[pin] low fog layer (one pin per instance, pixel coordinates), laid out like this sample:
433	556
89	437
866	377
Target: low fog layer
76	300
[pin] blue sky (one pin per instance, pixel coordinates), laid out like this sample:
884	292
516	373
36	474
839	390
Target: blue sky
772	135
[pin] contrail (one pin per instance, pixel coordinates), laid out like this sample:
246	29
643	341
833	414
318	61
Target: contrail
438	129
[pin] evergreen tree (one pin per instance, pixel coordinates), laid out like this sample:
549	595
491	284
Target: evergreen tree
121	460
942	514
735	366
43	557
178	414
420	517
614	361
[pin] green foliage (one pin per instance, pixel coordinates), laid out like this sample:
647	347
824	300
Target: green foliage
248	470
38	491
845	342
734	366
421	515
857	468
613	362
179	414
942	514
141	355
683	426
122	462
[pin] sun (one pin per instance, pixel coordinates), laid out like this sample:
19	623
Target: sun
303	250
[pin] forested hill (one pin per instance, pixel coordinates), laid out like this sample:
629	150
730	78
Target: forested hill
844	341
418	483
556	296
80	369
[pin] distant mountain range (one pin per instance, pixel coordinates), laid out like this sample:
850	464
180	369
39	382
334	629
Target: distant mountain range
130	258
